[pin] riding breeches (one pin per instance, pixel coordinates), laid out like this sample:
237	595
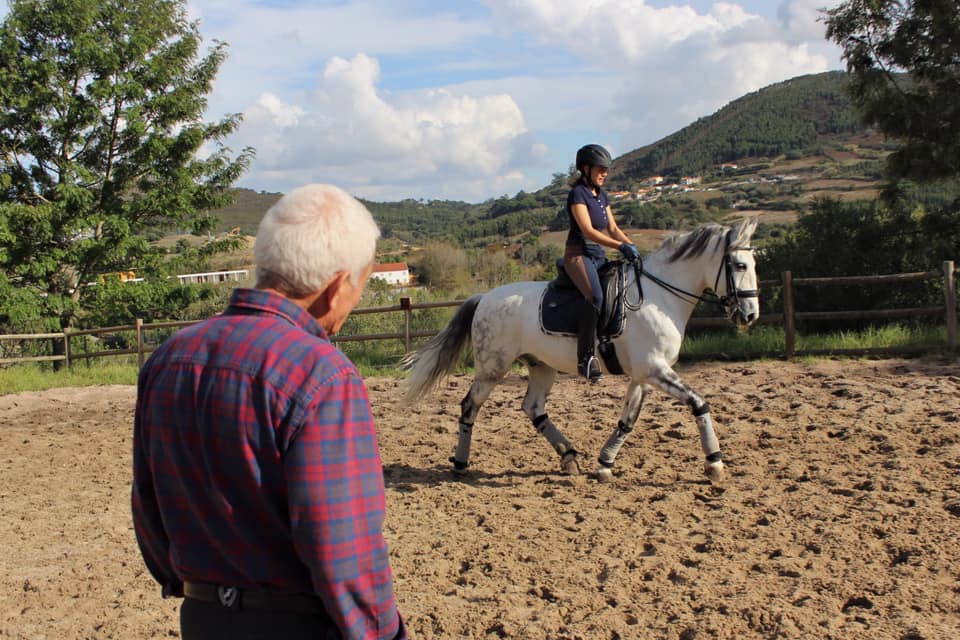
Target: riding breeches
582	269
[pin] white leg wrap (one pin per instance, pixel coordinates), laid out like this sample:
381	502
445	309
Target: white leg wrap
708	439
556	439
612	446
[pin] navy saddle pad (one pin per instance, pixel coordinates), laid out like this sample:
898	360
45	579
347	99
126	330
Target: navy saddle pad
561	300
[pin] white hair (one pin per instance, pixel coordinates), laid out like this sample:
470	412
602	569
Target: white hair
309	235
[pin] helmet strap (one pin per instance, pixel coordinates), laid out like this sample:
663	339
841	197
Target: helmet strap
587	179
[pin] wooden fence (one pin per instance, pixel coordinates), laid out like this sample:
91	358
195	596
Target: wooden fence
788	319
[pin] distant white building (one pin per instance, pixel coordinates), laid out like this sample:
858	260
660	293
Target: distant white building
393	273
237	275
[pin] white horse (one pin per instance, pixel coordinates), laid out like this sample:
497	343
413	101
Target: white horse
505	326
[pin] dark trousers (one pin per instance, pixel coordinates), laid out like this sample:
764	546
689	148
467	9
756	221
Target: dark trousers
201	620
582	269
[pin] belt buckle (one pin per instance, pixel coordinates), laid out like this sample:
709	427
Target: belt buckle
229	597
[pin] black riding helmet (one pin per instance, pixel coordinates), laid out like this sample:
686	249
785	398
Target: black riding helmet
593	155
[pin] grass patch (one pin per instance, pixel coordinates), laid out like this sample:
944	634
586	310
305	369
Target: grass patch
760	339
35	377
382	358
771	339
885	337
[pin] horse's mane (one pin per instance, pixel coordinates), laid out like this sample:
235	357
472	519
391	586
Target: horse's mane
692	244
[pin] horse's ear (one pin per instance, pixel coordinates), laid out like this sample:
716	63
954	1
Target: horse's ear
744	231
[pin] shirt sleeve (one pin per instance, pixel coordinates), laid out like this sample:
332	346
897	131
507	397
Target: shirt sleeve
336	500
147	524
578	195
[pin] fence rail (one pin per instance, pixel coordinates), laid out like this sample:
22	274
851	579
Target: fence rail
788	319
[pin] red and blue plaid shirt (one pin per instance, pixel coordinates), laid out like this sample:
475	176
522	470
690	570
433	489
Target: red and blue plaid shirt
256	465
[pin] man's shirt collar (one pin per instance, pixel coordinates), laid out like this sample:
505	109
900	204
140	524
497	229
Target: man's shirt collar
245	301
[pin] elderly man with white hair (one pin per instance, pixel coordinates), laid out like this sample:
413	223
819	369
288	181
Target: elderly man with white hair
258	489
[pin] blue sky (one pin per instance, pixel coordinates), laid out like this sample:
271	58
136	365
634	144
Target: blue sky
475	99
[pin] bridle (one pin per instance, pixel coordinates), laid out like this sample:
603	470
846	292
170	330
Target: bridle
729	302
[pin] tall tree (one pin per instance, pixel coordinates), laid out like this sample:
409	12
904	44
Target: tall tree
102	138
904	59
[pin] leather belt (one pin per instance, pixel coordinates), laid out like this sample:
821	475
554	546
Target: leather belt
237	598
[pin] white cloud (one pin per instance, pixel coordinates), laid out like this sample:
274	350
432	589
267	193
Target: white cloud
282	47
667	66
614	32
802	19
504	96
349	132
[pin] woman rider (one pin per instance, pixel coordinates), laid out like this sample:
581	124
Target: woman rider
592	228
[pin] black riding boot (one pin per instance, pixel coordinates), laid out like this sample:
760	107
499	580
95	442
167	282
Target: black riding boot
587	364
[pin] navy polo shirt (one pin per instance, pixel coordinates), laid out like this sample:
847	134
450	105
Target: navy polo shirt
597	208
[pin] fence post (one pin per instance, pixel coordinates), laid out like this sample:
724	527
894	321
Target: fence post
789	328
407	313
139	329
950	296
66	347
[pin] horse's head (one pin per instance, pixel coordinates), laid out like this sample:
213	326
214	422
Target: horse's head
737	284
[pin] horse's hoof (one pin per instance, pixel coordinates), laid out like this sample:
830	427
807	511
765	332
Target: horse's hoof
459	468
569	464
604	474
715	471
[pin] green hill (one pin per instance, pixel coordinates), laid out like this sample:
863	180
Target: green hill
800	115
246	210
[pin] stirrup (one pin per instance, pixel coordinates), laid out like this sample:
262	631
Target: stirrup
590	369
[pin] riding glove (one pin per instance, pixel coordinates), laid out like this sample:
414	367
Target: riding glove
629	251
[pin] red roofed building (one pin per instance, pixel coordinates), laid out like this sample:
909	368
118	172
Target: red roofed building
395	273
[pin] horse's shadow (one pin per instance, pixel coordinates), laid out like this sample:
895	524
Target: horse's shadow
402	477
405	479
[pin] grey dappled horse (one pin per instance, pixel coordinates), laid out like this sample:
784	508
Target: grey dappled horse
504	326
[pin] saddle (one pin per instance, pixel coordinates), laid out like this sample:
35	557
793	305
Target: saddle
561	299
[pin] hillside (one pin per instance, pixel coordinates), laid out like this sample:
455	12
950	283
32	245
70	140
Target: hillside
246	210
783	145
802	115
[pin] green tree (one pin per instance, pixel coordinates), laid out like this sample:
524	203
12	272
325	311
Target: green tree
907	234
443	266
101	140
903	57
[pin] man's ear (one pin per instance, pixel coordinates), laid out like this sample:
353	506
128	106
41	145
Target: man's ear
328	299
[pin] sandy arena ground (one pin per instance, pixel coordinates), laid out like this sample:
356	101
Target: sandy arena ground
840	517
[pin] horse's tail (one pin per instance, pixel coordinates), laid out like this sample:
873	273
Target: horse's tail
437	357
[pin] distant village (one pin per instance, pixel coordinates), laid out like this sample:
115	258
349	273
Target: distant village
653	187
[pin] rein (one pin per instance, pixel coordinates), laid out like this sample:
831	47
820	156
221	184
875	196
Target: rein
733	294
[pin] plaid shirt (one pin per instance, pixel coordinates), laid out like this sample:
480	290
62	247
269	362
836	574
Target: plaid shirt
256	465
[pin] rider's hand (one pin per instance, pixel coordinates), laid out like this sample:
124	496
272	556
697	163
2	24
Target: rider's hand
629	251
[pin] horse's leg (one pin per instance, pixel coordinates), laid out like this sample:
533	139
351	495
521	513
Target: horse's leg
667	380
631	411
469	408
540	381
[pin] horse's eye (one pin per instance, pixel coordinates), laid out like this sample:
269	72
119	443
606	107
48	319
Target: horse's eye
741	266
